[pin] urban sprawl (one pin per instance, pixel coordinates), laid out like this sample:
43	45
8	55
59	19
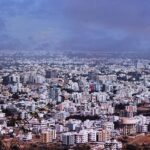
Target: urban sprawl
63	102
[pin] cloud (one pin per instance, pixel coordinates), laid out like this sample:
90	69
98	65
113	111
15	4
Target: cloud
83	25
10	43
114	14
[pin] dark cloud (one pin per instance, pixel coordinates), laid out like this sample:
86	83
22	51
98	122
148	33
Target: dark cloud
75	24
115	14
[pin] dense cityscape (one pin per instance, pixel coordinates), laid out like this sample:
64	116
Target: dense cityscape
62	102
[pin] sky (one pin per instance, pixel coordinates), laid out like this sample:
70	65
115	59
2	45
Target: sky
75	25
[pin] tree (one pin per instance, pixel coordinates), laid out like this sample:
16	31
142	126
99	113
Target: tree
14	147
82	147
133	147
2	145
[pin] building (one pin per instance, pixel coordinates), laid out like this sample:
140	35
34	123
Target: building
81	137
113	145
128	126
68	138
92	135
103	135
48	136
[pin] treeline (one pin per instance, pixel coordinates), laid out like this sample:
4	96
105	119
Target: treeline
83	118
42	146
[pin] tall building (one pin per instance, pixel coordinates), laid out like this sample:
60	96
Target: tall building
81	137
68	138
51	74
103	135
48	136
92	135
128	126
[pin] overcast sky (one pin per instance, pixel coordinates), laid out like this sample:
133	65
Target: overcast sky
85	25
